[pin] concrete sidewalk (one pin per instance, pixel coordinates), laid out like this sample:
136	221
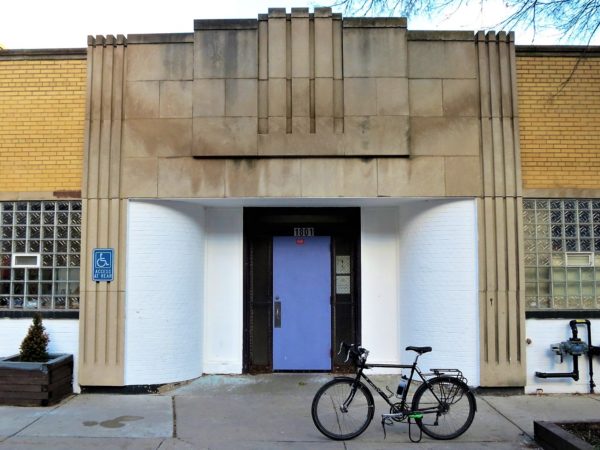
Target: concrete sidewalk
258	412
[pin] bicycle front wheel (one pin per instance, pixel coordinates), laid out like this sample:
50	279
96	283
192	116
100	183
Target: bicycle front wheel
342	409
447	405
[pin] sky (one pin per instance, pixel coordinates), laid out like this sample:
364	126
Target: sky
26	24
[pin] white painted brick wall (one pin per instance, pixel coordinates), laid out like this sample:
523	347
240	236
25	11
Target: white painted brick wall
224	293
164	292
545	332
379	284
64	338
419	283
438	283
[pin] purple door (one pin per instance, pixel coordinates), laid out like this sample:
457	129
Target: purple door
301	303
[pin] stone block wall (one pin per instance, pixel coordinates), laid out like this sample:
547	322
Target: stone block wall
559	105
444	124
299	105
501	275
42	112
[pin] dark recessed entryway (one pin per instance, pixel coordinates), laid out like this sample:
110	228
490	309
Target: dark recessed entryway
301	287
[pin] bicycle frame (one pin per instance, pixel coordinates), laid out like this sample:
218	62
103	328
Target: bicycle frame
404	409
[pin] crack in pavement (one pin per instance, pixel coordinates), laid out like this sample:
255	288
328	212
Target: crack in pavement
506	417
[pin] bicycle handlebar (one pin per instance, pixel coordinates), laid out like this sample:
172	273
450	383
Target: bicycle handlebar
354	352
358	355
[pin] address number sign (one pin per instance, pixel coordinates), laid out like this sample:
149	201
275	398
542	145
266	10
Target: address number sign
304	231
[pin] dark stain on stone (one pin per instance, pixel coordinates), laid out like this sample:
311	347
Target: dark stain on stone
113	423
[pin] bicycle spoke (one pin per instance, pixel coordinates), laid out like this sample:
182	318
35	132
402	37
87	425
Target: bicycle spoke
341	413
447	407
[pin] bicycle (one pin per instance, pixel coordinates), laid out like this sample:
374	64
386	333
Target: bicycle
442	406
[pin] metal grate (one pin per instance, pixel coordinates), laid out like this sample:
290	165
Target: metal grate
51	229
559	235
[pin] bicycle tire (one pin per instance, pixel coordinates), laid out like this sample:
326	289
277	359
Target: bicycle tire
327	409
452	415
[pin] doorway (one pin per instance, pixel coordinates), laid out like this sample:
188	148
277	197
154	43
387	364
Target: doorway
301	287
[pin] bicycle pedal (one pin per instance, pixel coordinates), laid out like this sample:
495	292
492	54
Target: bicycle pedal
390	417
415	416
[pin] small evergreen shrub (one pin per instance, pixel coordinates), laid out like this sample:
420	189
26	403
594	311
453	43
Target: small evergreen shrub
35	345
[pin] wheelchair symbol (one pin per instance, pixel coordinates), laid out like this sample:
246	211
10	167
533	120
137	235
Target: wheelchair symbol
101	261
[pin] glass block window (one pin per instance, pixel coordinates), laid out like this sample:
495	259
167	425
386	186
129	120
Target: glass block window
51	229
562	254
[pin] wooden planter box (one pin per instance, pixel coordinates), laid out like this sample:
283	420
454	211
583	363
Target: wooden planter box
33	383
551	436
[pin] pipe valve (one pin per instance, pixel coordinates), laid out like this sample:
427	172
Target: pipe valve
574	347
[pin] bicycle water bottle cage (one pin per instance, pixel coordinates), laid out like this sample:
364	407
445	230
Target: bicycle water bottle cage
419	350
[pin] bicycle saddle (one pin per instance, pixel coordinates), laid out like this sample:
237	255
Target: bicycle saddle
419	350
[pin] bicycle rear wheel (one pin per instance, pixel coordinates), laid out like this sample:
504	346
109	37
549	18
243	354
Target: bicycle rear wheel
342	409
447	405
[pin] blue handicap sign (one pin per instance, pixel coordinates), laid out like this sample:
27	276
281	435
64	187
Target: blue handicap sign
103	267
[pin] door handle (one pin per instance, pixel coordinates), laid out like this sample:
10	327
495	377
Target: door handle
277	314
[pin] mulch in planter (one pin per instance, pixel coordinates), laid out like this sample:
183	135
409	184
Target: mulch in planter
589	432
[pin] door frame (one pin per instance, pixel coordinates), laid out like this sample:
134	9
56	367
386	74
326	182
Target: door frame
260	225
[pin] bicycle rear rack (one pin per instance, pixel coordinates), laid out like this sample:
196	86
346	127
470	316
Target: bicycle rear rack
454	373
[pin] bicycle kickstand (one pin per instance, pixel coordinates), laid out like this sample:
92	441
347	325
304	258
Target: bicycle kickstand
385	421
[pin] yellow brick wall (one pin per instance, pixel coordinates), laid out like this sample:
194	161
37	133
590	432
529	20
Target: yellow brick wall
42	111
559	122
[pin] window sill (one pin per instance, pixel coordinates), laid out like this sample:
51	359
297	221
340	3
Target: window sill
12	314
564	314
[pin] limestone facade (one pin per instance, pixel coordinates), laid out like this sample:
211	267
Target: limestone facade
296	105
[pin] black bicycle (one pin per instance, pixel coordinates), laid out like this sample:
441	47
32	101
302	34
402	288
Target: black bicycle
442	406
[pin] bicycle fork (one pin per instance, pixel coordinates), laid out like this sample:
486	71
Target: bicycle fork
344	407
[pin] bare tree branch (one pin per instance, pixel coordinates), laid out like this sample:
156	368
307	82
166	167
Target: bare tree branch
578	19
